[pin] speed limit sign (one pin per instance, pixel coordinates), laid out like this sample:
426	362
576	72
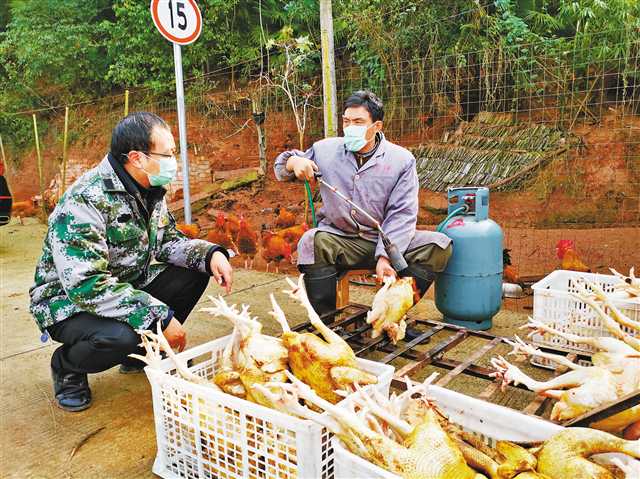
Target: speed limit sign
179	21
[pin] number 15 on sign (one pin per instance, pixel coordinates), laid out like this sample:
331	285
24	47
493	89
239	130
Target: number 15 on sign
180	22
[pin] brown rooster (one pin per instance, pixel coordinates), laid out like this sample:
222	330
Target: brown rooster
293	234
232	223
220	234
566	252
275	248
509	272
247	242
23	209
191	231
285	218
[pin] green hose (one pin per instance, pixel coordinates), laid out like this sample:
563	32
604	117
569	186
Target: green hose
313	209
451	215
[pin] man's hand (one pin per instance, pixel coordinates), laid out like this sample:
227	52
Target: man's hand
302	167
175	334
222	270
384	268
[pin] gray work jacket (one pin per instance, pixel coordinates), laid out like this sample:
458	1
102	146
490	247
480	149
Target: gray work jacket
386	186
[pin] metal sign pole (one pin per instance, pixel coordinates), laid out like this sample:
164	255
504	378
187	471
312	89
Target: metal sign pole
182	127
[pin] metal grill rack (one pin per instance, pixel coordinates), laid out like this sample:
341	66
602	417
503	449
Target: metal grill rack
351	325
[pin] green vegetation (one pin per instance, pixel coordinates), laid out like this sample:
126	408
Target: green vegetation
441	57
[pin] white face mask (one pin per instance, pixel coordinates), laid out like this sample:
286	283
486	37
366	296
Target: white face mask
355	137
167	173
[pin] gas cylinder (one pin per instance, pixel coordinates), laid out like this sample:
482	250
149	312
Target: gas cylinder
469	291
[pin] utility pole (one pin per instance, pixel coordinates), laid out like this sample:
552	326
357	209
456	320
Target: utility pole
328	70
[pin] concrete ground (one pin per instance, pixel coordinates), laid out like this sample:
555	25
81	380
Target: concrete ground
114	438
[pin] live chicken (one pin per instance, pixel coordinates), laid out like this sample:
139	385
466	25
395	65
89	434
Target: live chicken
293	234
567	254
247	242
191	231
221	233
275	248
284	218
327	364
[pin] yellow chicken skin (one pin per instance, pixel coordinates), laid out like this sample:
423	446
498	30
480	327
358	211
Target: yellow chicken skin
257	358
390	306
426	453
327	364
565	455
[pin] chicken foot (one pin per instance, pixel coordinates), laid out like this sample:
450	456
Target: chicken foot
154	343
630	284
617	315
608	344
299	293
522	348
509	373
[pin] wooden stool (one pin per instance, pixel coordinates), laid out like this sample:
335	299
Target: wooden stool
342	292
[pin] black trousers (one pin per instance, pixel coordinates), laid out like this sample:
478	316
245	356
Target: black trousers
91	344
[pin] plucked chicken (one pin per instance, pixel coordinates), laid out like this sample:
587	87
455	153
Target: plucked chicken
390	306
566	454
615	371
327	364
257	358
427	451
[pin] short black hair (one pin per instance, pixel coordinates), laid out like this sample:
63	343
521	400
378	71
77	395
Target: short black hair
133	133
369	100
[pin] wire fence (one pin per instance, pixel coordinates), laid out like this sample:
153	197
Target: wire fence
556	137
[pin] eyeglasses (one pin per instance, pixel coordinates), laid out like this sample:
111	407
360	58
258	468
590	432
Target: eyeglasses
160	154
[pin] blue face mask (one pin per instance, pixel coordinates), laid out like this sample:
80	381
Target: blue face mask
168	169
355	137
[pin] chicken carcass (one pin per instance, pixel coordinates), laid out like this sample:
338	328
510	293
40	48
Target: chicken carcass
427	451
258	358
613	355
226	376
390	306
565	455
327	364
587	387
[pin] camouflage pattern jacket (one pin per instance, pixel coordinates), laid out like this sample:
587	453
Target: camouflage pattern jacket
100	249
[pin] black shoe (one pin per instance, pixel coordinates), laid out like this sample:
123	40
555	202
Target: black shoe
412	333
71	390
131	368
136	368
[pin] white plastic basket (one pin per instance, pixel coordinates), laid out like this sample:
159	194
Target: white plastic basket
202	433
488	421
554	305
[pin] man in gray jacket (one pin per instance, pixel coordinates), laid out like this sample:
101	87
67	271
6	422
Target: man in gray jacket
380	177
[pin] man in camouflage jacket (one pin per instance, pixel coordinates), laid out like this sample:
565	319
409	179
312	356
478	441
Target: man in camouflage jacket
113	262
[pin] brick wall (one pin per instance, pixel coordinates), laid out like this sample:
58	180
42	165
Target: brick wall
200	173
